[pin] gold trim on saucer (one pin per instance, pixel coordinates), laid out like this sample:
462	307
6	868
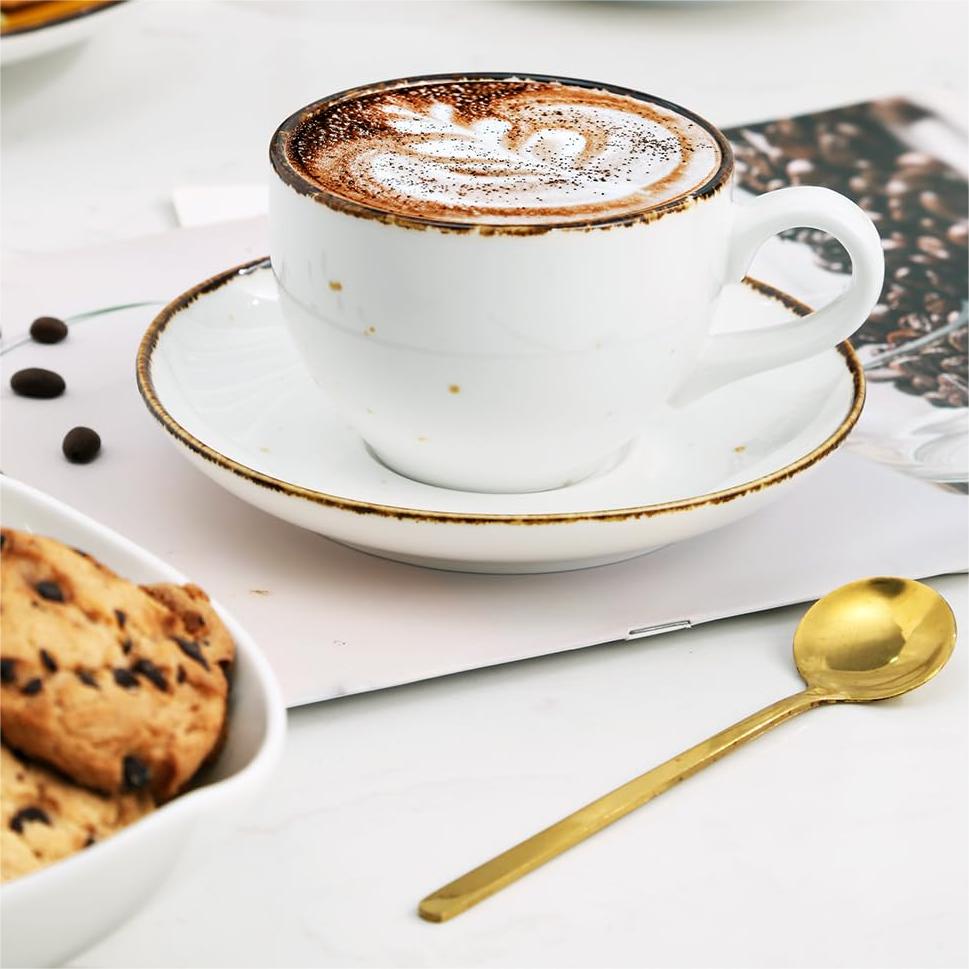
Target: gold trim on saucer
145	385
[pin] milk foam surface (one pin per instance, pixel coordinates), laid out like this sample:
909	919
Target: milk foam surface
503	152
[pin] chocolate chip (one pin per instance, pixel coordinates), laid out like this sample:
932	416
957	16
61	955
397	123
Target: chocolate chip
126	645
90	841
136	773
151	672
87	678
181	676
3	540
125	678
37	383
192	650
121	616
49	590
32	686
48	329
26	814
81	445
49	662
8	670
226	666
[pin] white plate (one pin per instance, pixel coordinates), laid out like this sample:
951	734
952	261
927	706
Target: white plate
45	38
218	370
55	912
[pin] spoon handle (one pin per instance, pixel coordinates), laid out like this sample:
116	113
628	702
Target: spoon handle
492	876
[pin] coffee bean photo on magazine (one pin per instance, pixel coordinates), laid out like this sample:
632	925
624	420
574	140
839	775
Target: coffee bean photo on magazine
894	158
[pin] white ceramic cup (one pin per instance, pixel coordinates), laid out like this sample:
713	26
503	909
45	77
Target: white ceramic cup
506	359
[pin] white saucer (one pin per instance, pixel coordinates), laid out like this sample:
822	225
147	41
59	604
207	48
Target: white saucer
219	372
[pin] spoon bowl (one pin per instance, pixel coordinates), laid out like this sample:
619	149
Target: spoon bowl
874	639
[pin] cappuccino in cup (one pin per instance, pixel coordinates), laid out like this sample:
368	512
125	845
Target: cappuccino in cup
501	280
505	152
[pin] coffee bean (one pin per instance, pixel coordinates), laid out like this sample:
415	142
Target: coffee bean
49	590
125	678
933	246
48	329
939	205
8	670
898	337
50	664
799	171
136	773
27	814
958	234
847	128
81	445
32	687
835	150
192	650
38	383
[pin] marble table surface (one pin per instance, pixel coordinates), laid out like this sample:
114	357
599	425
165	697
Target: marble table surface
838	840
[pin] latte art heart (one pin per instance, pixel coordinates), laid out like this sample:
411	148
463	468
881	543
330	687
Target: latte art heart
484	152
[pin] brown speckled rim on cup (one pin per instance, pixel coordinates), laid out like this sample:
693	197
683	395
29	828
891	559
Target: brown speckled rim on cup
287	171
147	388
59	13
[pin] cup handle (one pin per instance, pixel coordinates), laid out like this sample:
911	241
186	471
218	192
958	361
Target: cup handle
726	357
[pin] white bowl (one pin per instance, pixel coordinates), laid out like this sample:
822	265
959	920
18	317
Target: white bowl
61	909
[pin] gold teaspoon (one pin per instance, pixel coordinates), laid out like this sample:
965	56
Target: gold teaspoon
868	640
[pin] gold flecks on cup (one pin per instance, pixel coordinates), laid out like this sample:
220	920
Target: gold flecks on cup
454	389
336	285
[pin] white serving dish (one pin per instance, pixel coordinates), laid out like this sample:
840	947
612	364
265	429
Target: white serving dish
49	915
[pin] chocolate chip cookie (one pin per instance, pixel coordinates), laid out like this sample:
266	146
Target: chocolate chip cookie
44	817
120	687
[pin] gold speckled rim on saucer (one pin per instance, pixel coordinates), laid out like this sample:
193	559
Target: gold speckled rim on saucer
147	388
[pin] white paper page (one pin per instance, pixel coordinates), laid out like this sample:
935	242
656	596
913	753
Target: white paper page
335	621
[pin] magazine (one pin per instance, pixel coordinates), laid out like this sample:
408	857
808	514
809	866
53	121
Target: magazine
901	163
